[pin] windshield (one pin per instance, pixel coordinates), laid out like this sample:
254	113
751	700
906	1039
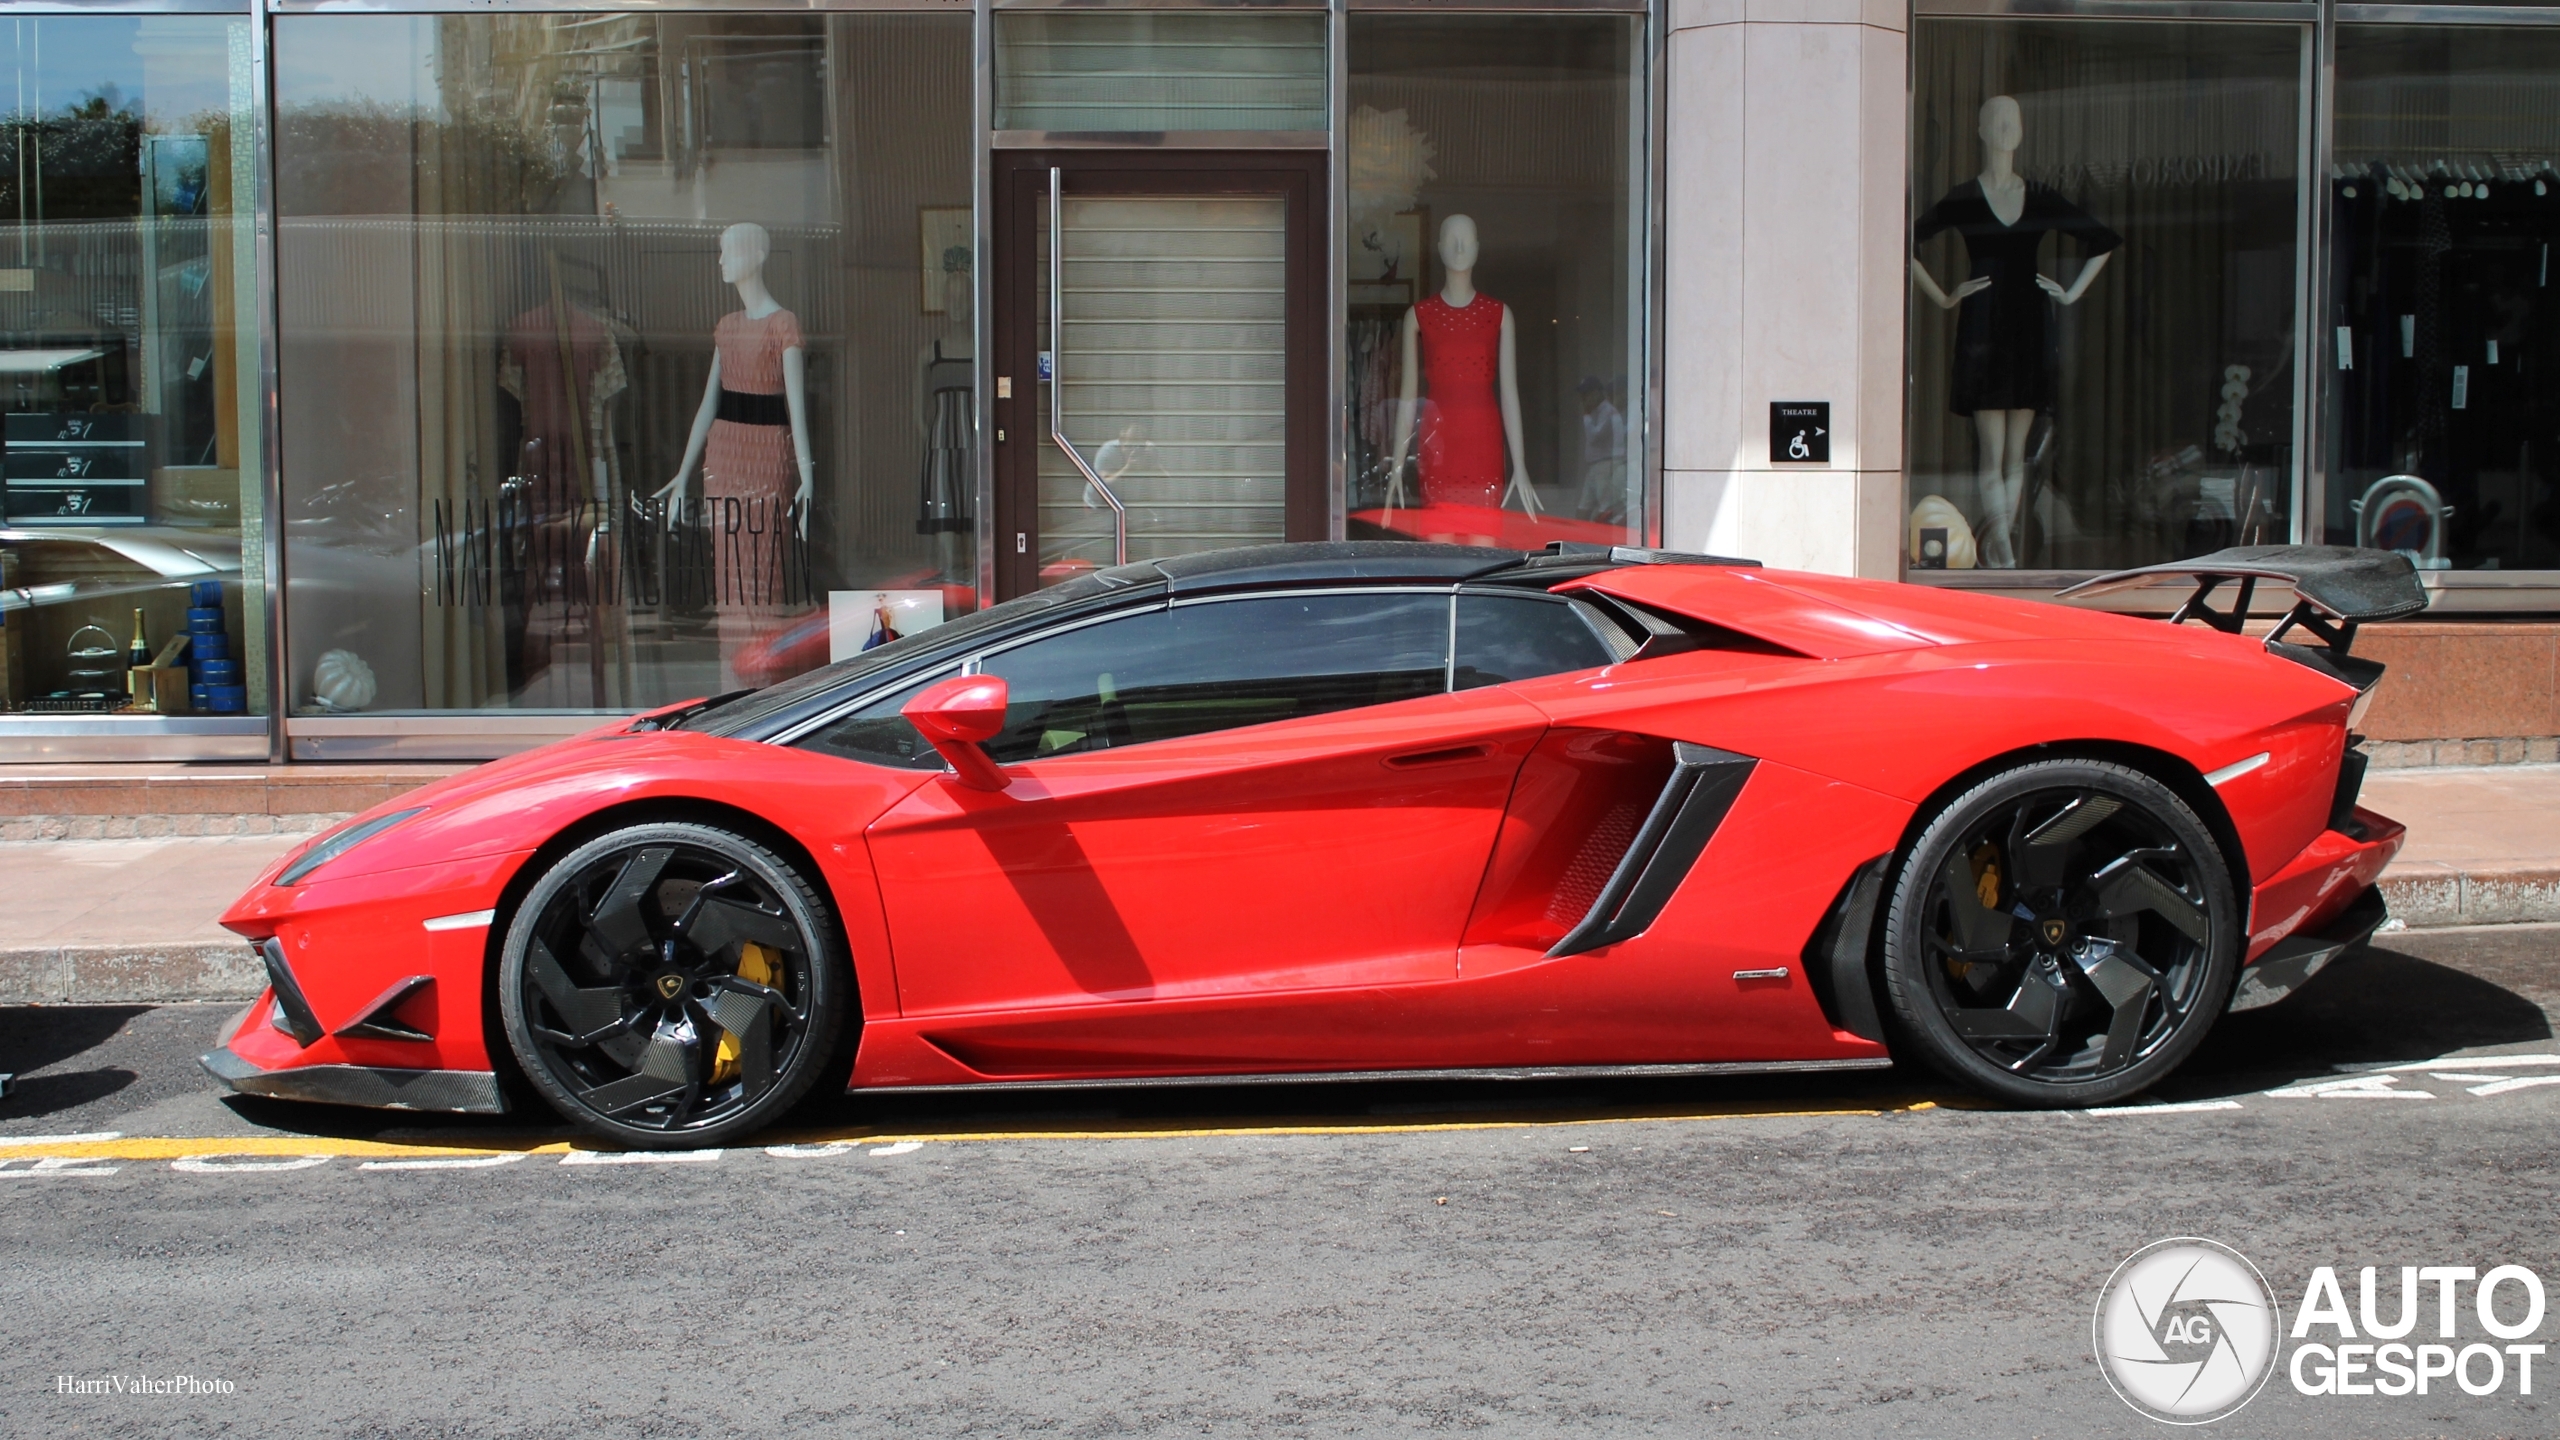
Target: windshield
731	716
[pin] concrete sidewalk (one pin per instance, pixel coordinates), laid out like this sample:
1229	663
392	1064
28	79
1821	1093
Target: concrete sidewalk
114	920
2484	843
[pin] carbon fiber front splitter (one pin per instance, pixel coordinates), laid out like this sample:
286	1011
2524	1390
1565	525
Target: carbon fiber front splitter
471	1092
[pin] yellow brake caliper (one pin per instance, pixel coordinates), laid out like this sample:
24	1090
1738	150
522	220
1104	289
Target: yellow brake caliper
755	964
1985	861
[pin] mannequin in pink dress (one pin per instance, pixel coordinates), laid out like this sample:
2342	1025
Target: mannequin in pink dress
750	435
1464	342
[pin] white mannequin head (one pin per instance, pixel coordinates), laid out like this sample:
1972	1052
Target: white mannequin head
744	247
1458	244
2001	128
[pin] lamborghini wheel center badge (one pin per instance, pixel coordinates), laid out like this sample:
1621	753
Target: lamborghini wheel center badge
2053	932
670	985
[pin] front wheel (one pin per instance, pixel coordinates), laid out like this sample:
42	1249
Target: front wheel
671	985
2062	934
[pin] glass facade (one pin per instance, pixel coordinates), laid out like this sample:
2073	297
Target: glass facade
2107	243
131	517
1493	253
2443	331
599	359
624	358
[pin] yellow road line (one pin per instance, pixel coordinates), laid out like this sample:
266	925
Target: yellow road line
200	1147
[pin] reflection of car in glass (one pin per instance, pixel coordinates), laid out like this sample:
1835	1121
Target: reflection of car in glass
1312	810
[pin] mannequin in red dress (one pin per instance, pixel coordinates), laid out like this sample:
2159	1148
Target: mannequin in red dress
751	432
1464	342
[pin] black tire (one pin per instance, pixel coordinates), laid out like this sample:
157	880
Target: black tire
2062	934
623	997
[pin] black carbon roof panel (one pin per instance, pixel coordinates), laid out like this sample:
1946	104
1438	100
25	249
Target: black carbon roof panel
1314	562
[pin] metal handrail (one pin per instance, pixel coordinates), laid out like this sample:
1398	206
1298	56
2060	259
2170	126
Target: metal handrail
1057	348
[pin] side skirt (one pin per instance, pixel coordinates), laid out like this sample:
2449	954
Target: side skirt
1342	1077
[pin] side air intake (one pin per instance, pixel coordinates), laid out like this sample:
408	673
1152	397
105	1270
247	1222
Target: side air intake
1684	818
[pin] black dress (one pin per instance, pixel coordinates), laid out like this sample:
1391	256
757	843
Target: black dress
2006	351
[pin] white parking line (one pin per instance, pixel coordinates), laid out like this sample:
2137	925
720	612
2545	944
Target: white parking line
244	1164
2501	1062
91	1138
2184	1107
2359	1087
640	1157
828	1151
55	1166
444	1162
2501	1087
903	1147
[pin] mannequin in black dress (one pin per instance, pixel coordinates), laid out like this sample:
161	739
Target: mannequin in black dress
2005	345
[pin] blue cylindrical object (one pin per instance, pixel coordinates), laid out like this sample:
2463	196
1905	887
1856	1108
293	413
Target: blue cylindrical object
205	621
208	645
219	672
225	699
205	594
196	697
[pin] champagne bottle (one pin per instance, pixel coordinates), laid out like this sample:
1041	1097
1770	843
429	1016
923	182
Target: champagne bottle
137	658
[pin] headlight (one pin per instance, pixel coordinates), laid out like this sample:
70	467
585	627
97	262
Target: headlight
342	842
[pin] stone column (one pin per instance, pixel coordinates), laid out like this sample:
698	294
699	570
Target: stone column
1785	277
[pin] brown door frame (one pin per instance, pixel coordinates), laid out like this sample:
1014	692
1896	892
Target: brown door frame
1020	191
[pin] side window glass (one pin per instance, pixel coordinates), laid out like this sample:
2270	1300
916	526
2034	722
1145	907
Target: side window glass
877	734
1519	637
1197	668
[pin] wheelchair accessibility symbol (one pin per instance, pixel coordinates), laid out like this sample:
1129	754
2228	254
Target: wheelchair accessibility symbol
1800	431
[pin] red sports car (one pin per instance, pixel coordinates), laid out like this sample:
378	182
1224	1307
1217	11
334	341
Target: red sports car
1370	808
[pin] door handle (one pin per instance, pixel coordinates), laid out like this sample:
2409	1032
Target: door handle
1057	353
1444	755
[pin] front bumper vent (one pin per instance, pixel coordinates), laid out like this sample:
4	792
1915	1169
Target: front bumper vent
295	1011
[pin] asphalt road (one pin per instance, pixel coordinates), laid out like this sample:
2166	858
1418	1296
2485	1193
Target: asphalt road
1838	1256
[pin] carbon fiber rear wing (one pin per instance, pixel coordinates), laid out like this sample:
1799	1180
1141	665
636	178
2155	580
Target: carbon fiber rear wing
2335	587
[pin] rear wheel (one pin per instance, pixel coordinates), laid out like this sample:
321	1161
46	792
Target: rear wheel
671	985
2062	934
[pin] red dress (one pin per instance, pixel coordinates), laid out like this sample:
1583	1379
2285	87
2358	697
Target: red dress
1461	422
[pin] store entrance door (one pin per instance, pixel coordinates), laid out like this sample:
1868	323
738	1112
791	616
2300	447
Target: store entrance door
1179	405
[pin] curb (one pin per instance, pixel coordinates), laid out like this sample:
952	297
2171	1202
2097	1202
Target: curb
146	974
2426	894
2423	895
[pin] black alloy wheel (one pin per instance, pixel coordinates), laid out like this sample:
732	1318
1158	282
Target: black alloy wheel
2063	934
671	985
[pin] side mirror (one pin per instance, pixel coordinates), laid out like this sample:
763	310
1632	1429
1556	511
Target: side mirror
959	716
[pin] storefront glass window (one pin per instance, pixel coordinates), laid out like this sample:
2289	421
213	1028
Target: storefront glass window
2103	291
625	357
1494	257
2443	339
128	363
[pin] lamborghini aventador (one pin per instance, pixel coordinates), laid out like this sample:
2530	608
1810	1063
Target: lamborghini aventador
1309	811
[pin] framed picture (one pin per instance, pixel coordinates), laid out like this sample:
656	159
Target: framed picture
939	231
1389	263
